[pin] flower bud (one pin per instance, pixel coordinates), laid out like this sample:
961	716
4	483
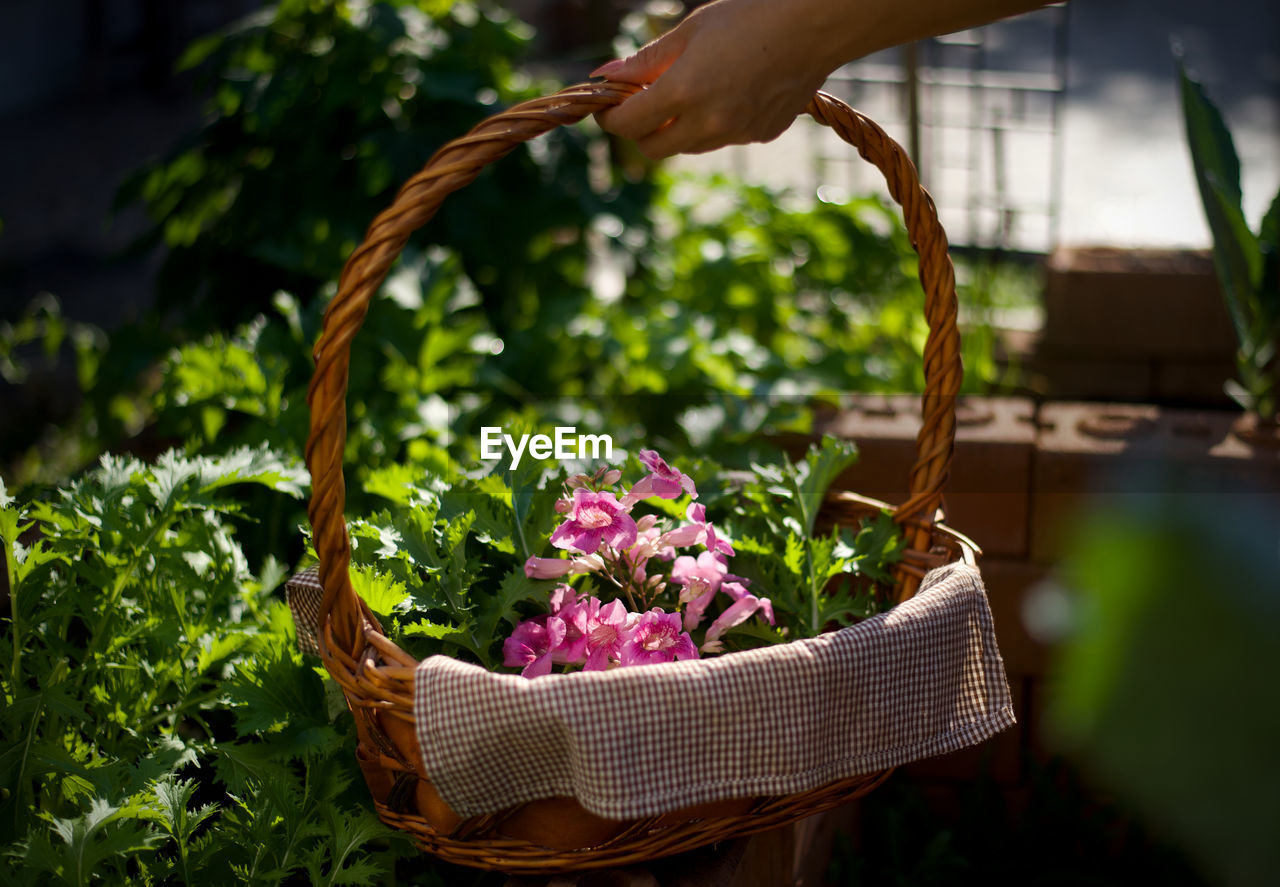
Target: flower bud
612	477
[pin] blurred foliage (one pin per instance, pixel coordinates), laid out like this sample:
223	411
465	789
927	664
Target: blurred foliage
561	290
319	112
1248	264
1165	685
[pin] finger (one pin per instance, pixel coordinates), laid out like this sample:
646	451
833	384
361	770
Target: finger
640	116
676	136
649	62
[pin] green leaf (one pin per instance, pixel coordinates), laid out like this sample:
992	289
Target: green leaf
380	591
516	588
820	468
257	465
274	690
347	833
493	525
395	482
217	648
1236	258
1268	238
878	544
1236	252
102	839
1212	150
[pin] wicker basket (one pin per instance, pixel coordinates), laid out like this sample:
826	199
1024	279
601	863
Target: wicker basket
377	677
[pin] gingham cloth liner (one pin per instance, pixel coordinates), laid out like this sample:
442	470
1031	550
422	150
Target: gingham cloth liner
923	679
303	592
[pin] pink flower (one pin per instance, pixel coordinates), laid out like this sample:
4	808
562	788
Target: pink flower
606	628
697	513
656	637
668	482
547	567
696	596
574	613
563	597
708	568
595	519
683	536
532	644
662	481
737	613
554	567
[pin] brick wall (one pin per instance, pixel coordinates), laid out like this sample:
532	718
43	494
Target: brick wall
1022	474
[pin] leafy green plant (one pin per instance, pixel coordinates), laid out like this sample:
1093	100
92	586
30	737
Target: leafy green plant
812	577
1248	263
319	112
158	726
450	567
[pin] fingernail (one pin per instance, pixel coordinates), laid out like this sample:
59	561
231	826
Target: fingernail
608	68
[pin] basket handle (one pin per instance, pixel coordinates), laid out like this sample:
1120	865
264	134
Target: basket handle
456	165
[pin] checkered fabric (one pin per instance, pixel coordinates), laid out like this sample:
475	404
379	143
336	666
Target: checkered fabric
924	679
304	592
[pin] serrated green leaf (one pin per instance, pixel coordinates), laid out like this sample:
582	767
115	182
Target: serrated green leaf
395	482
427	629
516	588
348	832
380	591
877	545
817	471
274	689
795	557
217	648
257	465
493	523
104	836
168	807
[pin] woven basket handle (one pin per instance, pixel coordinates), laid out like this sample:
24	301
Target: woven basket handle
456	165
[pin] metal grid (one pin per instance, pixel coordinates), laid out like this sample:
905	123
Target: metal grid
980	112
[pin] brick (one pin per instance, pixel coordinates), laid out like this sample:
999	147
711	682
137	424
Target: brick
1193	382
987	497
1088	453
1130	303
1065	374
1008	582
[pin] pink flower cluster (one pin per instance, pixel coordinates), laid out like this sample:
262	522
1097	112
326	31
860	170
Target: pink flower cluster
640	560
585	632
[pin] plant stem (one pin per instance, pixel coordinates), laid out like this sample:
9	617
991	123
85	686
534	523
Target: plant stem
815	628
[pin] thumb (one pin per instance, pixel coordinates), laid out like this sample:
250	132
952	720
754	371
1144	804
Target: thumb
649	62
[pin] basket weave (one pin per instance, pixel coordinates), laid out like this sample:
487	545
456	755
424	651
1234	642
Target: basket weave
377	677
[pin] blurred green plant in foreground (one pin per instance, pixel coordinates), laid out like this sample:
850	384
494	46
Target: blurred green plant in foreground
1165	685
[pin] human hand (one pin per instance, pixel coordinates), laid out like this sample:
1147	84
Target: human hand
732	72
